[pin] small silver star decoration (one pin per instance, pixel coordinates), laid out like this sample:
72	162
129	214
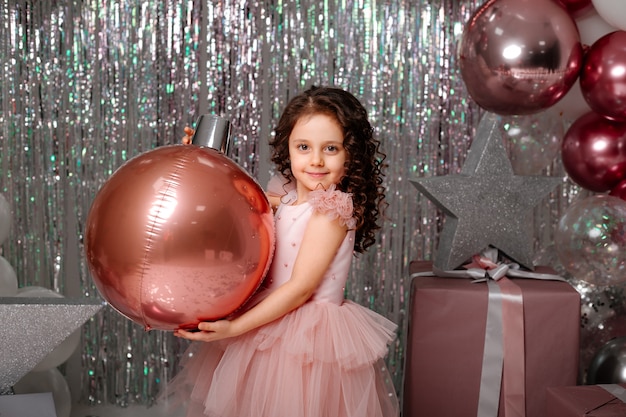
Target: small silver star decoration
486	204
33	327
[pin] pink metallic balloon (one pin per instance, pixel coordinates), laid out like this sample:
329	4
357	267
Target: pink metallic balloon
520	56
594	152
178	235
603	77
577	8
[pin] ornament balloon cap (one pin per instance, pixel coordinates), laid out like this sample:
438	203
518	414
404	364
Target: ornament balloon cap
212	131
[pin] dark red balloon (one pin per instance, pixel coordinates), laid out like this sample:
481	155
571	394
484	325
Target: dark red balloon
603	76
519	57
577	8
594	152
619	191
179	235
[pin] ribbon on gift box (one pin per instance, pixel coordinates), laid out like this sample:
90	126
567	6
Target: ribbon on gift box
504	331
617	391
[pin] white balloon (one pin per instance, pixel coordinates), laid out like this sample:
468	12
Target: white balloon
65	349
592	27
573	105
37	292
613	11
5	219
51	380
8	279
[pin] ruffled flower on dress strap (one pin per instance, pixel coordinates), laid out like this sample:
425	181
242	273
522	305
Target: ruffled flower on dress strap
335	204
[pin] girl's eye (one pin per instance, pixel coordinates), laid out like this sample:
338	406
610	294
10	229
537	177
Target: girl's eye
303	147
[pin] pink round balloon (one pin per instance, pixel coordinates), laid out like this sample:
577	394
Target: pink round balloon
603	77
179	235
594	152
577	8
520	56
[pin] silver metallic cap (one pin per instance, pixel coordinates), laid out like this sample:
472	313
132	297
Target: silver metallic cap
212	131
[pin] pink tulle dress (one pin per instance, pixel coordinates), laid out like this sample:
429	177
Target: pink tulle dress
324	359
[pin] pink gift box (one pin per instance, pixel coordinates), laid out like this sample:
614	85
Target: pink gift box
446	335
583	401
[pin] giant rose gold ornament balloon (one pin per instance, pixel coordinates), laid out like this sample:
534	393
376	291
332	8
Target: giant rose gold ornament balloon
520	56
179	235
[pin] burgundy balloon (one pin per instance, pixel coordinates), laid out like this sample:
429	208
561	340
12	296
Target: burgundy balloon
577	8
520	56
603	76
619	191
594	152
179	235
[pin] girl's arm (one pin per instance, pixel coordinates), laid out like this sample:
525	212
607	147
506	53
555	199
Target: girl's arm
273	199
276	190
322	239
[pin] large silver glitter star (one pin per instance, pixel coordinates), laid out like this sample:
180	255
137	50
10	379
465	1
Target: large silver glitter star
32	327
486	204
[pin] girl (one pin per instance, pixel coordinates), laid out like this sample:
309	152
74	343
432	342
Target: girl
300	349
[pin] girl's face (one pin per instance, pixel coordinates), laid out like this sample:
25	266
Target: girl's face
316	153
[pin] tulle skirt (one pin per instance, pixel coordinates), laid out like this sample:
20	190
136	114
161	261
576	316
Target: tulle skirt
320	360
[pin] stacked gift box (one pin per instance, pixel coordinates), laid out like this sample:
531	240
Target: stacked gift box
446	351
446	343
586	400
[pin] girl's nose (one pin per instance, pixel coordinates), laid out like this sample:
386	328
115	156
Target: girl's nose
317	159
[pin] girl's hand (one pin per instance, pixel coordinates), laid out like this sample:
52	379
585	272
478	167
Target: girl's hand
188	135
210	331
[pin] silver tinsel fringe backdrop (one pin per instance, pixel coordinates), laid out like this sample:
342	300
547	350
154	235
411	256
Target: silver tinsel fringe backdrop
88	84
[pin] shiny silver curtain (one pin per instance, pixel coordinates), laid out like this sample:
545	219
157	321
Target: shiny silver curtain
86	85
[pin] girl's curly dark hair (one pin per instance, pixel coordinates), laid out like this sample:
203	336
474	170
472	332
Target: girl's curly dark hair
364	176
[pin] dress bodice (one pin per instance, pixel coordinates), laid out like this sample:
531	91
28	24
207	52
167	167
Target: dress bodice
290	223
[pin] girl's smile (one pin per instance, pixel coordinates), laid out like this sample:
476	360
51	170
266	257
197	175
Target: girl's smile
316	153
